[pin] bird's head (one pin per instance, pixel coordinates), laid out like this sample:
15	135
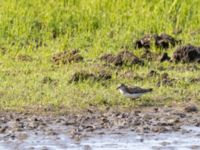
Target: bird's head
121	86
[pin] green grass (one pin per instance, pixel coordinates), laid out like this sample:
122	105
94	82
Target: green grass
40	29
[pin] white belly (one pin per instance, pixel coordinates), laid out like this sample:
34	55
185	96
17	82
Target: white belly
137	95
133	95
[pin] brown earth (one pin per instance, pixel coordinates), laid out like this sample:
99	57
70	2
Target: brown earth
67	57
84	75
124	57
188	53
163	41
144	42
164	57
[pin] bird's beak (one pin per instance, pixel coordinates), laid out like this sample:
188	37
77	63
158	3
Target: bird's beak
117	88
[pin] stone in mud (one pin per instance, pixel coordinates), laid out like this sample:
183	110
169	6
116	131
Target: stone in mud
164	57
186	54
191	108
3	129
67	57
122	58
143	129
22	136
34	123
156	109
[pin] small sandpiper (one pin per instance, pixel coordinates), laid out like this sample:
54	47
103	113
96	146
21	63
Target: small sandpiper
132	92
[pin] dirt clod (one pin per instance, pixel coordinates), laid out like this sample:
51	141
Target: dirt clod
83	75
163	41
188	53
191	108
144	42
164	57
122	58
109	58
67	57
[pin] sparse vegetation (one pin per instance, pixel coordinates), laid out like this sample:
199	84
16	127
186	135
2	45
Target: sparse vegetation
32	32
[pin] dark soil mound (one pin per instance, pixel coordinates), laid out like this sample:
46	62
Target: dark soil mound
129	58
110	58
123	58
83	75
144	42
67	57
188	53
163	41
164	57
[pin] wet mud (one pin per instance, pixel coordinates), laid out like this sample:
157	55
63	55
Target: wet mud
93	120
23	129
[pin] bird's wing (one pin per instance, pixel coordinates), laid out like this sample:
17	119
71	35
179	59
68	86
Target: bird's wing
136	89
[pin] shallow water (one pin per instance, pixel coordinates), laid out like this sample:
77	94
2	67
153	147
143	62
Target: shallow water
186	139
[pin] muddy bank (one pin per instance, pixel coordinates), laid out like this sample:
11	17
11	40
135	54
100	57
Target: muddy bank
93	121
